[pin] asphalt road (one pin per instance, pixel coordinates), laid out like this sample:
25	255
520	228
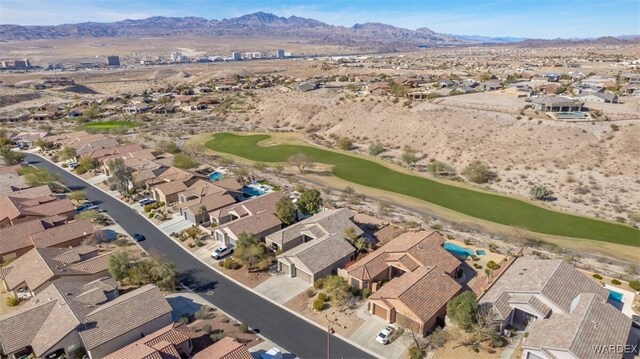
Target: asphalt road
278	325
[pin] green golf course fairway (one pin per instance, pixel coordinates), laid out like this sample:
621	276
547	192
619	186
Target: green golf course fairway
483	205
107	125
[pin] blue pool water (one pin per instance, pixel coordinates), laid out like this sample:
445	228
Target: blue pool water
461	252
215	176
252	192
615	296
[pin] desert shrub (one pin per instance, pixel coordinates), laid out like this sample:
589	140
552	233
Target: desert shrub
492	265
366	292
203	312
615	282
376	149
462	309
344	143
244	328
415	352
225	320
478	172
597	276
12	301
207	328
217	337
467	241
184	319
318	304
309	293
323	296
635	285
319	283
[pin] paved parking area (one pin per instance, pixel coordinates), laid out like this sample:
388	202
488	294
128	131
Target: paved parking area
365	335
282	288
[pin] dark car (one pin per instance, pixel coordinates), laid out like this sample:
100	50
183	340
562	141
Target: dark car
138	237
635	321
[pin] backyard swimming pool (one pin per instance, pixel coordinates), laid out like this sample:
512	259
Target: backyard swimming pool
461	252
615	296
252	191
215	176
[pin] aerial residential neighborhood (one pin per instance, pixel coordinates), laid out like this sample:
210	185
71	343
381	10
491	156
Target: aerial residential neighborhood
334	181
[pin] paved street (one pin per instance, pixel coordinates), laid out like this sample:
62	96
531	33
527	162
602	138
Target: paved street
282	327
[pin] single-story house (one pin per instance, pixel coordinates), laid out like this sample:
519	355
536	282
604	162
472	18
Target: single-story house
420	275
557	104
305	86
170	342
445	83
168	185
519	90
317	258
255	216
565	313
203	197
491	85
598	97
333	221
16	209
32	272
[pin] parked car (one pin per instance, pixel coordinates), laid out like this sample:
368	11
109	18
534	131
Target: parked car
87	206
146	201
24	163
384	335
73	165
635	321
273	353
221	252
138	237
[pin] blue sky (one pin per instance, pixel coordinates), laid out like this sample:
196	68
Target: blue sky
519	18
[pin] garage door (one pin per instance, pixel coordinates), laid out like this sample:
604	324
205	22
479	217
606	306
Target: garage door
303	275
379	311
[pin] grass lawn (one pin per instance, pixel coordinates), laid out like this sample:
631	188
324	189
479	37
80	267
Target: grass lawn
107	125
491	207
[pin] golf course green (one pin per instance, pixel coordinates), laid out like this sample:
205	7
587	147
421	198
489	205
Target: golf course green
487	206
108	125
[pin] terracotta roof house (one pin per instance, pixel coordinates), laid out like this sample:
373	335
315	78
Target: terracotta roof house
170	342
72	314
11	181
107	153
416	300
255	216
15	209
333	221
202	197
226	348
32	272
566	314
17	240
420	274
317	258
30	192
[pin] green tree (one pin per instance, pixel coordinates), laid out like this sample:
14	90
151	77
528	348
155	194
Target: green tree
540	192
286	210
337	289
168	147
310	201
462	310
184	161
344	143
478	172
409	156
85	165
11	157
77	195
250	252
300	160
193	232
376	148
119	264
34	176
67	153
121	176
166	274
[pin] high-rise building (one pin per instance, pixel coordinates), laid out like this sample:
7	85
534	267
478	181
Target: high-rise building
113	60
236	56
280	54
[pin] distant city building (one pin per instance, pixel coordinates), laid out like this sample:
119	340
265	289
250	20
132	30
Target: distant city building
280	53
113	60
236	56
177	57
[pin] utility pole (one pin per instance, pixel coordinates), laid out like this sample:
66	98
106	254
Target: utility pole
330	331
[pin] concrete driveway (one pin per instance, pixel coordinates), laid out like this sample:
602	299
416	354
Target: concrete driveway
176	224
282	288
365	335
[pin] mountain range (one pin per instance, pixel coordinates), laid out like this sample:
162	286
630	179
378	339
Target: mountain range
367	36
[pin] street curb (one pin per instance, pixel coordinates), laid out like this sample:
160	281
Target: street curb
347	340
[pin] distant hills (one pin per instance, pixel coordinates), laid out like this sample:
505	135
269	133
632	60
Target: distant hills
367	36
